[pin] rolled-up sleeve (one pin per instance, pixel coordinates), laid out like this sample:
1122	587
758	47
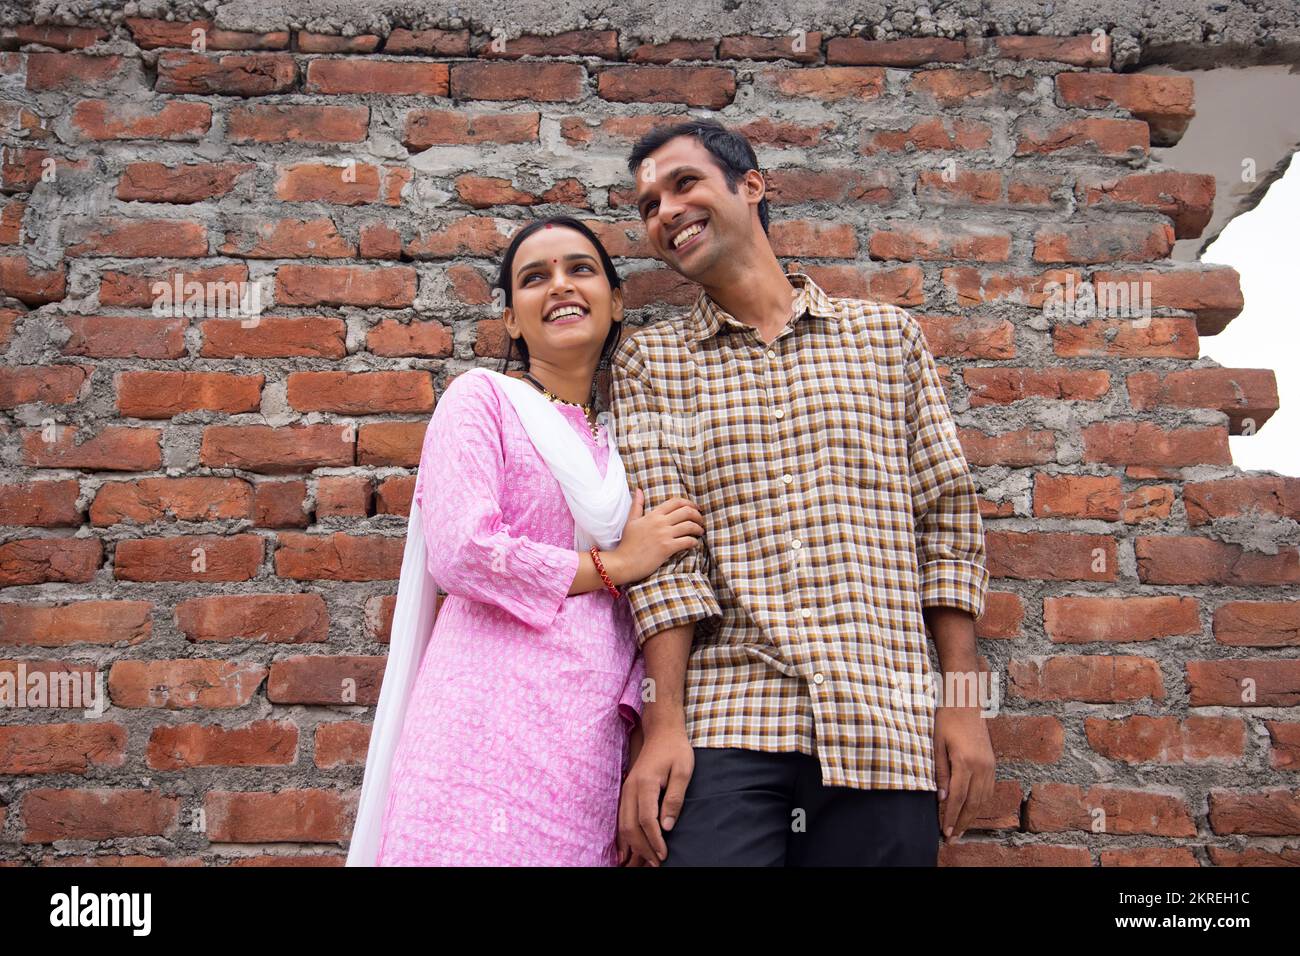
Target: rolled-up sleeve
630	702
949	531
679	591
472	552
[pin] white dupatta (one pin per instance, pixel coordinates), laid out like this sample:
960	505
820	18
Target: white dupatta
600	508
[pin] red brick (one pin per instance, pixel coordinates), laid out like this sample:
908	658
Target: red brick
1083	619
537	82
114	448
138	238
231	558
953	241
982	187
790	186
1265	682
1103	242
274	337
280	504
428	42
389	77
826	82
338	557
917	51
75	623
396	444
1258	623
248	74
40	504
748	47
152	34
1087	50
1002	385
170	120
288	239
1150	856
1273	812
1117	138
988	854
1167	740
1146	443
360	393
953	88
926	135
59	37
468	236
601	43
298	123
673	50
323	43
1248	396
1214	294
389	288
262	743
195	182
31	286
139	290
61	748
52	384
1284	736
1051	556
397	339
428	127
163	394
318	679
1032	739
1056	807
265	618
343	496
50	814
1186	198
285	816
1025	446
192	683
1097	679
124	337
342	743
147	500
277	450
78	71
1173	559
1164	102
1099	338
380	241
351	184
1076	496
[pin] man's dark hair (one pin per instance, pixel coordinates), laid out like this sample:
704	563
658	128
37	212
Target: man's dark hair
730	150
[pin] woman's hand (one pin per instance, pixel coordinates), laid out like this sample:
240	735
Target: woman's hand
651	539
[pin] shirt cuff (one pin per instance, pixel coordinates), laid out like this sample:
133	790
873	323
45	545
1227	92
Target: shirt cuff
660	603
949	582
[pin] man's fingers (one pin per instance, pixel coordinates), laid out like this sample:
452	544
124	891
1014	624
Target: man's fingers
647	815
678	778
959	785
628	825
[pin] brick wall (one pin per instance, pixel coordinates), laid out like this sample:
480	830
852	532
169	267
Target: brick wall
209	511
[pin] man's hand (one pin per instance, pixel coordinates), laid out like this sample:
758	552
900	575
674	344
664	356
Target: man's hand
663	766
964	766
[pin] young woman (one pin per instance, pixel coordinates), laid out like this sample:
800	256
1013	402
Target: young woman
505	740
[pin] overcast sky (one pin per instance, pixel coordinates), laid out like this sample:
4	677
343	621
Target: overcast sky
1264	246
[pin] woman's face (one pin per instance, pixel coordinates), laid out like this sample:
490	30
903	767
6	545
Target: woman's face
562	303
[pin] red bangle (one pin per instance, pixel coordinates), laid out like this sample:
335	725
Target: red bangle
609	584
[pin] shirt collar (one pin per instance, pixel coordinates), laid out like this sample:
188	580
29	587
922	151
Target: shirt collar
708	318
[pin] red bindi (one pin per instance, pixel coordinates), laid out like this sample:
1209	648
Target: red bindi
548	225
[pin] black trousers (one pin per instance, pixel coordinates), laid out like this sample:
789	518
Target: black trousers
751	808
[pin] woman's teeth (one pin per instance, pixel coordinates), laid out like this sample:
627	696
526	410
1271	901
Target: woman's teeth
566	312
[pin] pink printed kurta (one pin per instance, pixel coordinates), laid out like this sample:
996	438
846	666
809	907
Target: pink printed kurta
515	739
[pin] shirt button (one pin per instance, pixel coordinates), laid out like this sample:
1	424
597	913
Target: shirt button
779	413
818	678
787	478
796	544
771	354
806	612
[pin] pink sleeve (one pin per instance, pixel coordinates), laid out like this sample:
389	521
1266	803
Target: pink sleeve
629	705
472	552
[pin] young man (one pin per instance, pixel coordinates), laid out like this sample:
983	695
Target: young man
791	720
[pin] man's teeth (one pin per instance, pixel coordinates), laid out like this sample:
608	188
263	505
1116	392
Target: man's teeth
565	310
686	234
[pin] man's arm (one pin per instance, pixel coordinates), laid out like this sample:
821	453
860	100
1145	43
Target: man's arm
954	579
666	606
679	591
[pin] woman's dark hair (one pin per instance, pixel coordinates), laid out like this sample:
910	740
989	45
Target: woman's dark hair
506	286
730	150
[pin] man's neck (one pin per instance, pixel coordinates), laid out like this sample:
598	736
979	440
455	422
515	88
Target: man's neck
760	298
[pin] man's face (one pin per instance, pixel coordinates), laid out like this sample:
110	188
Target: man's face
692	220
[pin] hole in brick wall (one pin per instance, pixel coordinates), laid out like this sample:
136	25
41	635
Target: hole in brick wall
1245	132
